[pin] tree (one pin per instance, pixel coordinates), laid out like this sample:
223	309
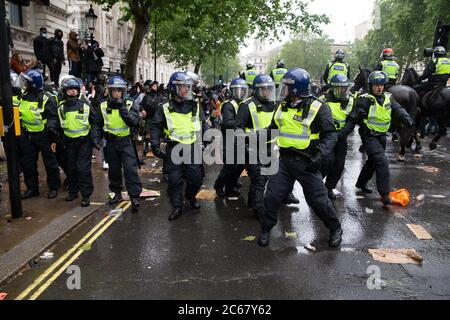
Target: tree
228	68
140	12
407	26
308	51
207	28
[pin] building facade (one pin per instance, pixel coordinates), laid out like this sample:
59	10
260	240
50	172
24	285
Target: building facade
113	35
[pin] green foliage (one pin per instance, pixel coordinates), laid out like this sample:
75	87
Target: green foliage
405	25
228	68
204	28
308	51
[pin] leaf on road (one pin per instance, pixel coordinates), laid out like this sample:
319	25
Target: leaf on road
249	238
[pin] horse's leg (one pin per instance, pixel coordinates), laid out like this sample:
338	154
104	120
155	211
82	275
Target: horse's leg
442	132
401	154
418	142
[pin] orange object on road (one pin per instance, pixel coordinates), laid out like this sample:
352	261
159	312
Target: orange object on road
3	295
400	197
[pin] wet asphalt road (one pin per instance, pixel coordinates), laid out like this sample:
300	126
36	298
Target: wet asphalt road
202	255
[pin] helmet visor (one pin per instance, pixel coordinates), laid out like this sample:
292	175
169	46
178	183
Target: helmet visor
184	91
283	91
341	91
20	81
265	92
239	92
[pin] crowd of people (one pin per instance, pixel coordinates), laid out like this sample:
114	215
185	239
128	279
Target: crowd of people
307	128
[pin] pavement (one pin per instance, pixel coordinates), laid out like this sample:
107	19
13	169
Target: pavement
203	255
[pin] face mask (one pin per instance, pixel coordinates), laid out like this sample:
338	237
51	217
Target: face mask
44	35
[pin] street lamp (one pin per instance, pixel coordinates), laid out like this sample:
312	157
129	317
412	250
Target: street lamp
91	18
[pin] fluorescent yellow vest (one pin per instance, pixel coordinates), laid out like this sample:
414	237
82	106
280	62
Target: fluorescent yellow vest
113	122
74	124
379	118
31	114
336	68
260	120
182	128
234	103
390	68
442	66
250	75
278	74
295	132
340	114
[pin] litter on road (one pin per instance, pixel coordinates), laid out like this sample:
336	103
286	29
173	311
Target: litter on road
400	256
47	255
206	194
419	231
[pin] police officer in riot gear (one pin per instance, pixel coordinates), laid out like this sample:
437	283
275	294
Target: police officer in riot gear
255	114
306	136
35	113
231	171
115	121
373	111
179	123
340	101
75	119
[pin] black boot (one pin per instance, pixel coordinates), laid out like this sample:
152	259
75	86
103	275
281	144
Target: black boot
135	203
117	198
219	192
85	201
30	194
386	199
364	188
291	199
194	204
175	214
264	239
233	193
52	194
335	238
71	197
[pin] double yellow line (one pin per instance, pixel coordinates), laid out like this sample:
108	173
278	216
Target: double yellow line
96	232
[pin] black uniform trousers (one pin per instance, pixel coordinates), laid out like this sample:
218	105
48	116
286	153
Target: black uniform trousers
177	174
376	163
30	144
61	157
119	154
230	173
79	157
334	164
316	195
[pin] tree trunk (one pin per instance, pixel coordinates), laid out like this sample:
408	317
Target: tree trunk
140	31
198	64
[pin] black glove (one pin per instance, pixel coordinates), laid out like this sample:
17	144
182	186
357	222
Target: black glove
158	153
408	122
315	162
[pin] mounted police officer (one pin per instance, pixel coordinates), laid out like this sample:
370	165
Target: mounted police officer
249	74
307	135
388	66
373	111
341	103
231	171
278	73
35	113
179	123
75	120
437	71
337	66
115	121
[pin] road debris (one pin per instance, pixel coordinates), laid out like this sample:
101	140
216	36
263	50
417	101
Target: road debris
400	256
420	197
249	238
419	232
368	210
206	194
47	255
292	235
3	295
429	169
